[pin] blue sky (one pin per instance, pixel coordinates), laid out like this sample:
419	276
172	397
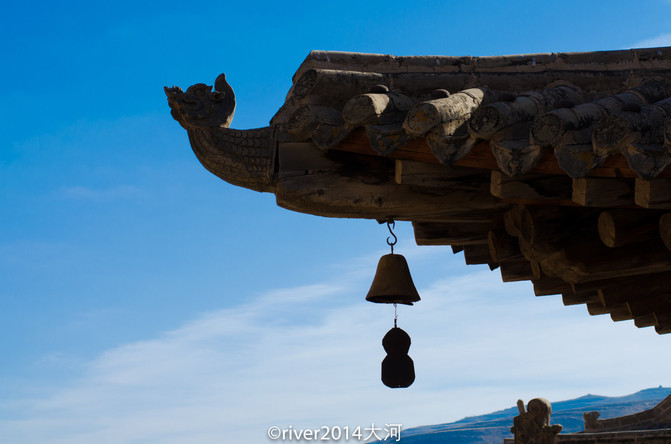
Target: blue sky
143	300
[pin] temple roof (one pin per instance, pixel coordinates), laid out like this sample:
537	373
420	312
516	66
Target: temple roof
550	167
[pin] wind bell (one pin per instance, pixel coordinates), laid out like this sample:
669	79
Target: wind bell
393	284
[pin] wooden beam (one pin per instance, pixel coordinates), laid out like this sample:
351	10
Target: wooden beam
512	221
503	248
587	297
516	271
544	230
620	227
644	306
478	254
655	193
663	321
595	309
646	320
586	259
430	175
437	233
548	286
638	287
542	189
620	313
336	184
603	192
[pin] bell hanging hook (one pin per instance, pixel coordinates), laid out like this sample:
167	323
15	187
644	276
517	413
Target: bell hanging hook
391	225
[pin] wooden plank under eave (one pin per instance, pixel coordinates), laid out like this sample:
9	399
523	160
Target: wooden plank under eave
588	297
620	313
438	233
646	320
537	188
548	286
603	192
516	271
431	175
663	322
654	194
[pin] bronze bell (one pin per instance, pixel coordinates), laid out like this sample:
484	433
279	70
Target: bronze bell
392	283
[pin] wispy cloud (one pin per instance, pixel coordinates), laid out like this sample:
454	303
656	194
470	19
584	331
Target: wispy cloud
308	356
660	40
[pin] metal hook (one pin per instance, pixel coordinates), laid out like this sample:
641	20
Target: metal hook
391	224
395	315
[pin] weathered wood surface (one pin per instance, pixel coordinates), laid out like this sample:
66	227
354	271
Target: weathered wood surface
422	174
544	230
479	155
377	108
516	157
614	132
454	110
450	145
620	290
437	233
654	194
242	157
340	188
332	87
386	139
586	297
357	122
304	121
647	320
663	320
647	160
582	260
620	227
488	120
502	247
595	309
620	313
548	286
537	188
570	131
603	192
553	129
515	271
478	254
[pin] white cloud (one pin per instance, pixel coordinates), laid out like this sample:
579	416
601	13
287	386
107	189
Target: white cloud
310	356
654	42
